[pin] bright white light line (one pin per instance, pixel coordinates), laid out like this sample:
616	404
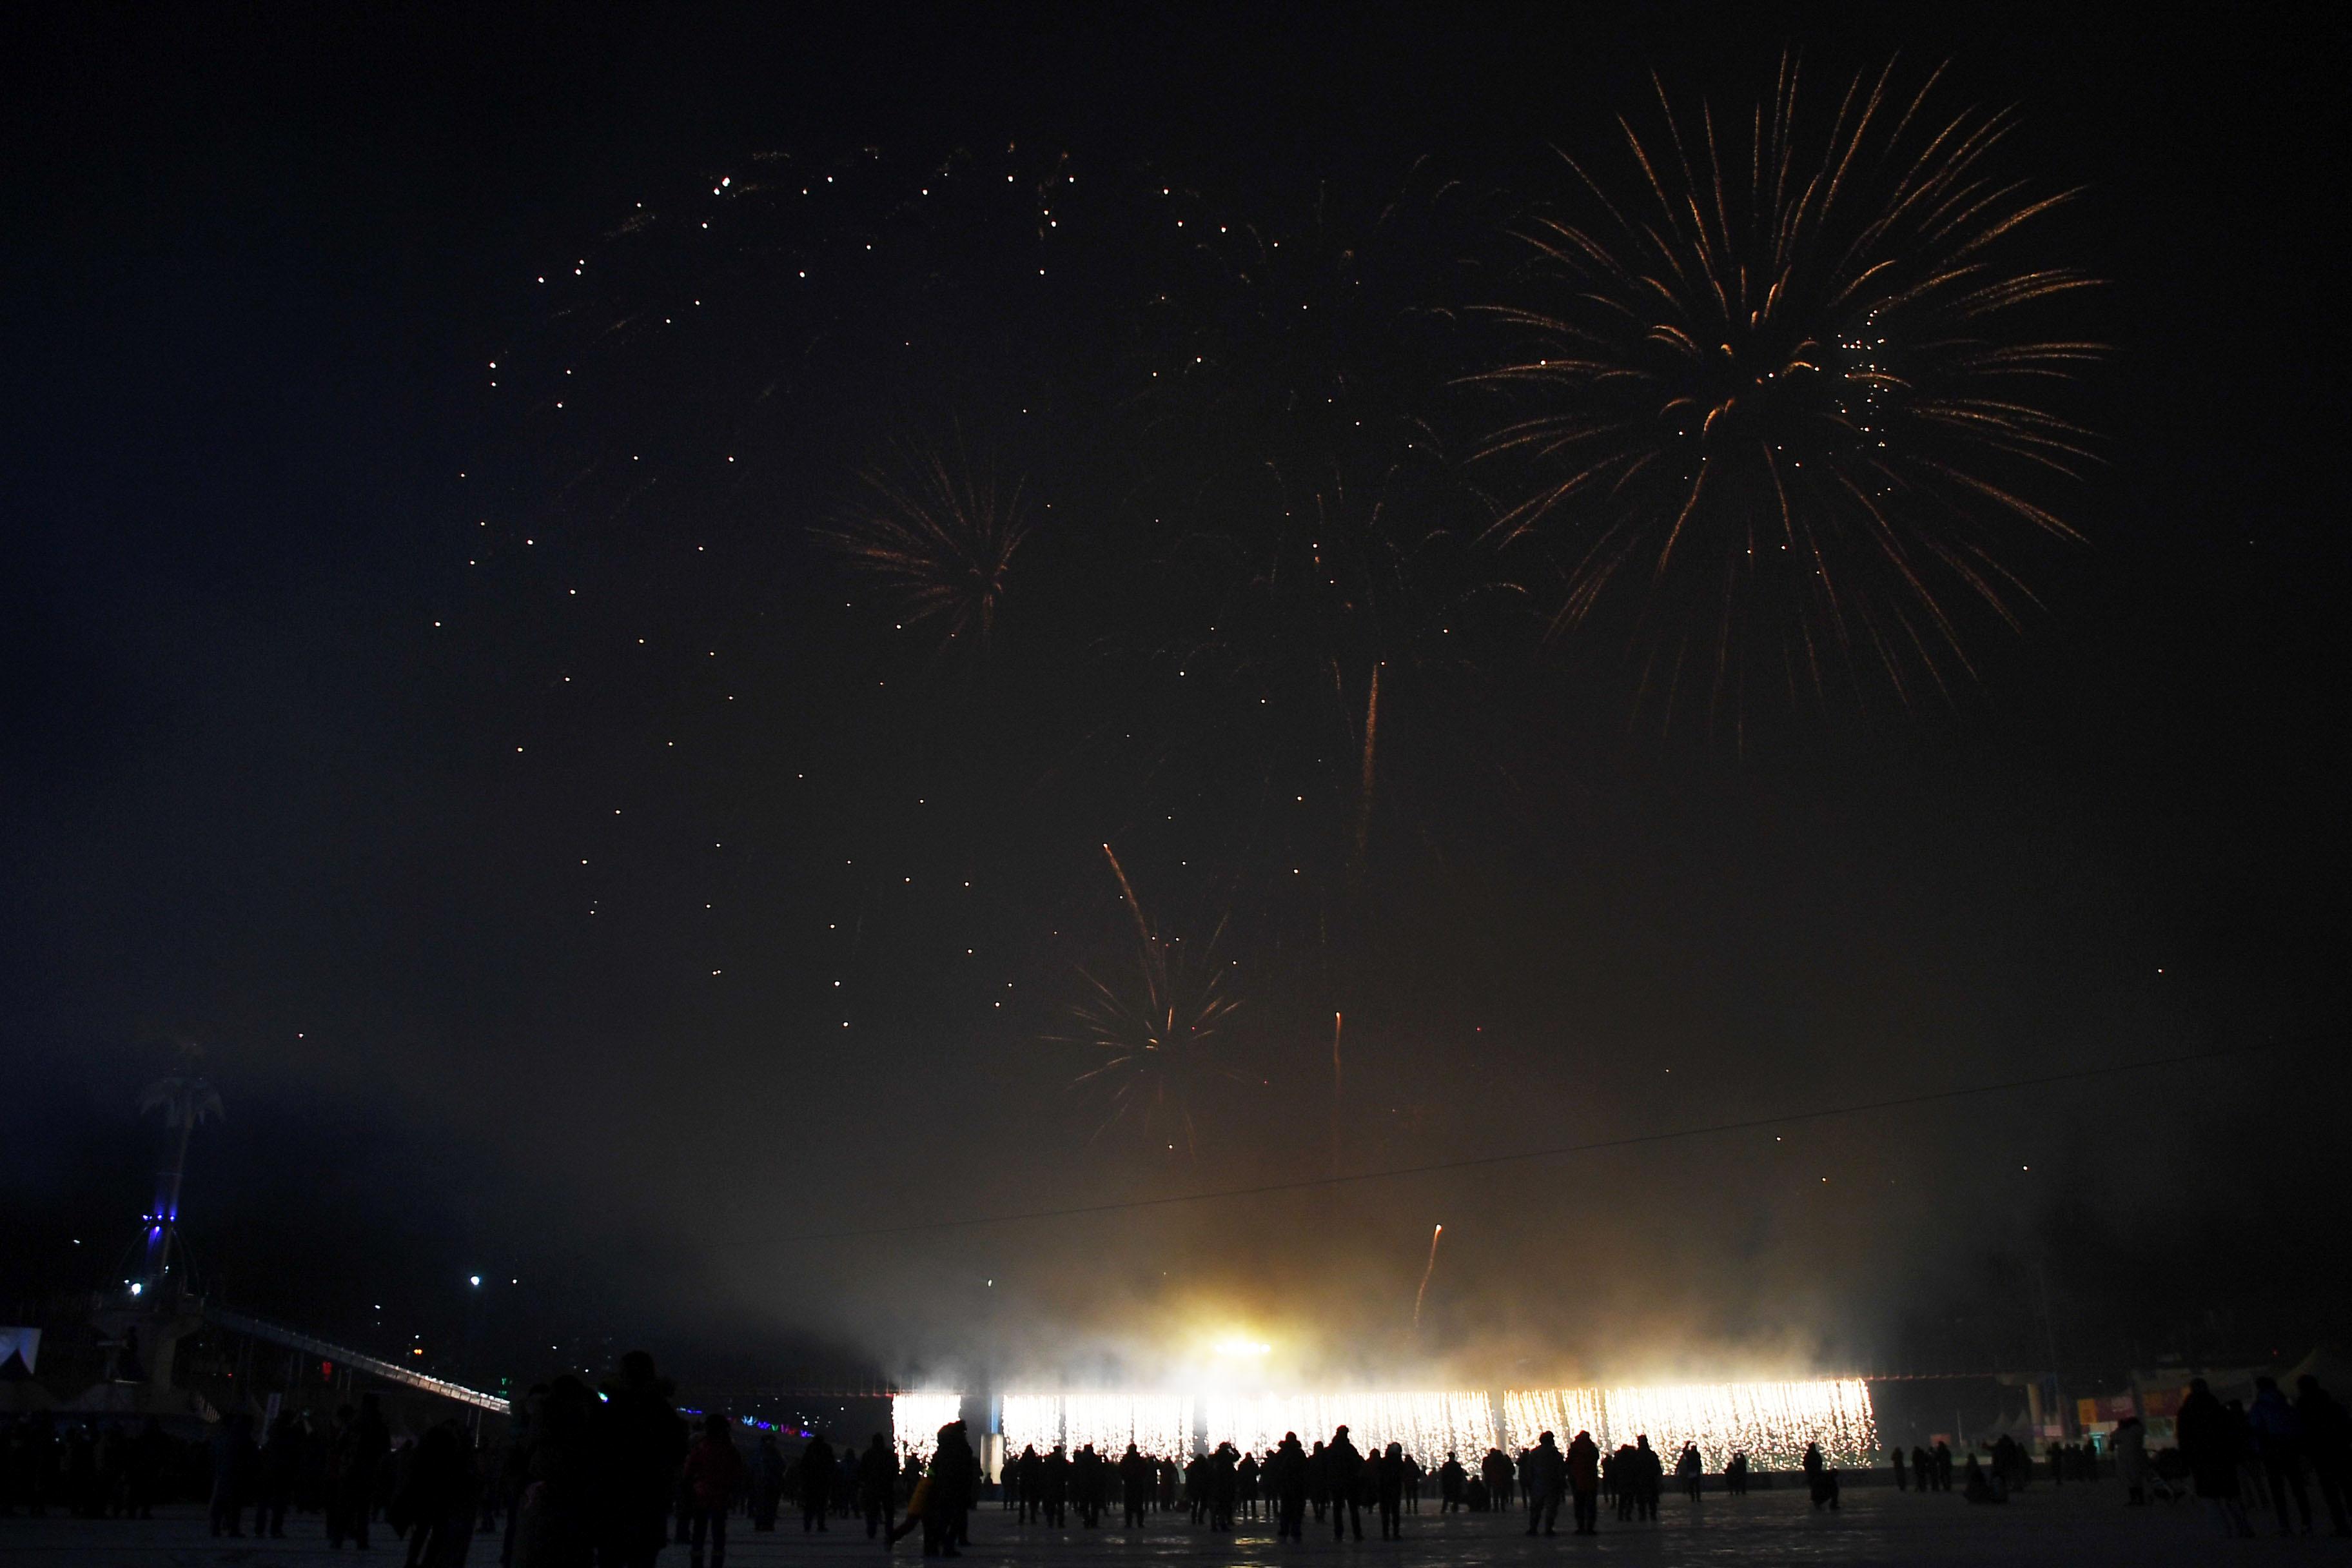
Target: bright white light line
916	1420
1770	1422
1427	1425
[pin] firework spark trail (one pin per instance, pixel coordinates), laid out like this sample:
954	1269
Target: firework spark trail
1364	791
1336	1019
1159	1034
1429	1268
1809	402
1134	904
936	538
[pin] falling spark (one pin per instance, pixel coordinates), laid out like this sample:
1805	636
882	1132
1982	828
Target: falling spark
1336	1021
1429	1268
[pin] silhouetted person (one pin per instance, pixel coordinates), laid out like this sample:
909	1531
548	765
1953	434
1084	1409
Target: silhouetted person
1221	1481
1583	1465
1388	1489
2210	1445
1285	1479
2278	1433
1821	1477
1688	1470
2128	1443
1450	1477
1342	1473
1649	1476
1247	1478
1086	1487
1028	1473
1923	1466
642	1440
1902	1476
443	1492
816	1483
364	1447
768	1471
1545	1472
1943	1465
1977	1488
877	1472
232	1473
281	1460
715	1476
954	1482
1494	1469
1137	1478
2326	1446
1056	1471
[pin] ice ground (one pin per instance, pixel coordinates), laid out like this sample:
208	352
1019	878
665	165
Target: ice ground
2077	1527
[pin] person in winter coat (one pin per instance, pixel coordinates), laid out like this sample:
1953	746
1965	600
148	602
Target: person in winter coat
1343	1473
1545	1472
878	1474
1584	1482
1388	1485
233	1473
1687	1470
1285	1476
2326	1445
2278	1433
715	1476
1137	1478
558	1507
816	1483
767	1483
2210	1445
1821	1477
2130	1446
641	1441
1450	1477
1649	1477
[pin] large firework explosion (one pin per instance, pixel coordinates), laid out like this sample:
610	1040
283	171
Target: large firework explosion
1776	403
1784	381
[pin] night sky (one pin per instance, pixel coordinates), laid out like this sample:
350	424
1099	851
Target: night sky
433	687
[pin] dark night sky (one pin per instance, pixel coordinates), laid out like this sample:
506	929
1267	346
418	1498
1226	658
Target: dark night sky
250	279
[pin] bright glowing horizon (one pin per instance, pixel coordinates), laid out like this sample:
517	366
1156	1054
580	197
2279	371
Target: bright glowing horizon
1770	1422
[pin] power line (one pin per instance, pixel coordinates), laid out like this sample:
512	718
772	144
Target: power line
1558	1151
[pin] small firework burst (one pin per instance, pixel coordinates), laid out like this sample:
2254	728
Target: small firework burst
936	535
1785	387
1155	1027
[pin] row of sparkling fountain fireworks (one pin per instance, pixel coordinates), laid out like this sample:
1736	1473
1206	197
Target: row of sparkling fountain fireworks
1772	1423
